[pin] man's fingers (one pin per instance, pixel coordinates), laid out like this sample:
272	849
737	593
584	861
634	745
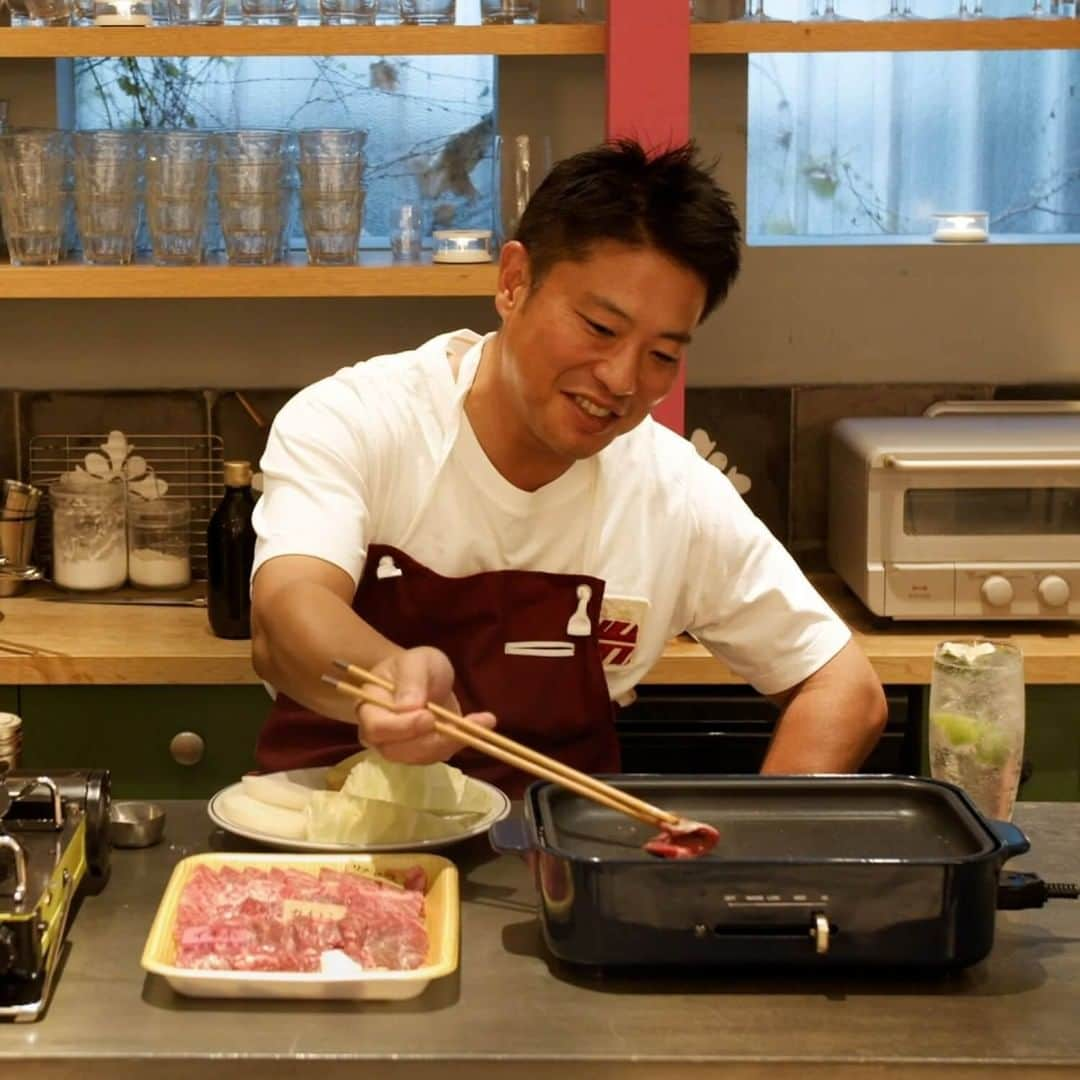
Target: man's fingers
379	726
421	675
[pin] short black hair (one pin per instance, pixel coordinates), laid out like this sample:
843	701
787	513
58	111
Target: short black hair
616	191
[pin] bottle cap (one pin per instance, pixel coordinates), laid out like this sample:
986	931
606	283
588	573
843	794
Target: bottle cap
237	473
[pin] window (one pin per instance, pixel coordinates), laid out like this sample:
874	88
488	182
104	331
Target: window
862	147
430	119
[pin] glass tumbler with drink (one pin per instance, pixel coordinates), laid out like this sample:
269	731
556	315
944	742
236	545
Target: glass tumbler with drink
977	721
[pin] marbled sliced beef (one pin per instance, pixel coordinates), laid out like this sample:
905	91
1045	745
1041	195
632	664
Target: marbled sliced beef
237	920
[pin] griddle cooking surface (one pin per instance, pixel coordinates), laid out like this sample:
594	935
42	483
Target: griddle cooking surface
760	818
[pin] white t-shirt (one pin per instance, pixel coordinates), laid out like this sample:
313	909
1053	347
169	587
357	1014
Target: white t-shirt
354	459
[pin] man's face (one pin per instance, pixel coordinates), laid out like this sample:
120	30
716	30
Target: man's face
587	352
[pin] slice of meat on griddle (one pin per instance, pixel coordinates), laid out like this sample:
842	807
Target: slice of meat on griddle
685	840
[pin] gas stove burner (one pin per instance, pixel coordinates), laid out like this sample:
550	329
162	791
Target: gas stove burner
53	845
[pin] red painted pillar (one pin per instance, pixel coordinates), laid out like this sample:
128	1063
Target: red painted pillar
648	99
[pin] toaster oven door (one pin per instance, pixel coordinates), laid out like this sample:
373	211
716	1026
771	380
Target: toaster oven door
979	510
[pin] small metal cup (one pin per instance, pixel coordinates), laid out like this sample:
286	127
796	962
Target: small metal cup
136	824
18	518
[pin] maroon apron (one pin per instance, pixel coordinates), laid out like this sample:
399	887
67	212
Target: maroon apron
523	644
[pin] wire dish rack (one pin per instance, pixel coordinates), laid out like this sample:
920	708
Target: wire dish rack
191	465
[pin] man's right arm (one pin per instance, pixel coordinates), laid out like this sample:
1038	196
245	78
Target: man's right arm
302	620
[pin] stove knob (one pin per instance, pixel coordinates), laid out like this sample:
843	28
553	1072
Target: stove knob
1054	591
7	949
997	591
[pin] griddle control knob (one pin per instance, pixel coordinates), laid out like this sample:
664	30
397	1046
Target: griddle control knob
820	933
187	748
1054	591
7	949
997	591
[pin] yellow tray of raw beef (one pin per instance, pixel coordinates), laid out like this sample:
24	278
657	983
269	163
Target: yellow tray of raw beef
366	927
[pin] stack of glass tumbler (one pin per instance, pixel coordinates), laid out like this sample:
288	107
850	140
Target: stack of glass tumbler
174	175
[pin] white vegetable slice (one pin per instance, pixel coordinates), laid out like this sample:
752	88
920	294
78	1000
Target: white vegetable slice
249	813
278	790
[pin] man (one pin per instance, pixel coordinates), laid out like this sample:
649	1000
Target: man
496	525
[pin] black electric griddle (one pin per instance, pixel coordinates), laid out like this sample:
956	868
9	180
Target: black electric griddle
808	871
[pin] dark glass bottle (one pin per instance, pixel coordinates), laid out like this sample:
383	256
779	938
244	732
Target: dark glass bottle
230	551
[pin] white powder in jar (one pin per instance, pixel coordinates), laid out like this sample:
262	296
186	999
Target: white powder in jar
92	575
158	569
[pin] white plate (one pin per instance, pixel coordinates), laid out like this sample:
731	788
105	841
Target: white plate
316	780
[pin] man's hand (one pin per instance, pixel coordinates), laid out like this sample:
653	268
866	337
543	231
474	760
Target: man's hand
405	729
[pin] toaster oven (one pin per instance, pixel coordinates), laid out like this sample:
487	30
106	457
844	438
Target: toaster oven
971	516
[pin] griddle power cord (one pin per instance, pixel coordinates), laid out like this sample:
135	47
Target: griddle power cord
1017	891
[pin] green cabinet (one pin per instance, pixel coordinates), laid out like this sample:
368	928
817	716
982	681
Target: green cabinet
128	729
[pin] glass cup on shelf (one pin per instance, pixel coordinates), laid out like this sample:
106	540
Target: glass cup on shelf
826	14
108	184
509	12
49	12
406	231
593	11
428	12
20	16
754	12
196	12
387	12
269	12
977	721
521	163
177	195
331	169
253	173
903	12
34	194
347	12
711	11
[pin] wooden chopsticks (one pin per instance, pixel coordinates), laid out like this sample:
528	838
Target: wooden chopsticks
511	752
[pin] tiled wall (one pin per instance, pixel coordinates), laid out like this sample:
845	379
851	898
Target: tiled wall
772	441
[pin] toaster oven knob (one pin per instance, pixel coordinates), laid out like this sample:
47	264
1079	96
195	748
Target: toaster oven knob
1054	591
997	591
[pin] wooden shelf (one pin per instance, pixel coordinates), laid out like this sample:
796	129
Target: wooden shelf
546	39
376	276
541	40
946	35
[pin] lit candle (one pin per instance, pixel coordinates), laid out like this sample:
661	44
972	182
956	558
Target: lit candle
972	227
122	13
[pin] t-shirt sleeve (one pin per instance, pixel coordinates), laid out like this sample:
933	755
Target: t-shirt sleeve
318	475
749	603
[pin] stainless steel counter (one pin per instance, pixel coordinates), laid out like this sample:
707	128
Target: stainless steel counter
509	1012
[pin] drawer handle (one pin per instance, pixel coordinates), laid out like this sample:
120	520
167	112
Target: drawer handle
187	748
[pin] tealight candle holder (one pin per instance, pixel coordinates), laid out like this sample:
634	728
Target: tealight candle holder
123	13
967	227
462	246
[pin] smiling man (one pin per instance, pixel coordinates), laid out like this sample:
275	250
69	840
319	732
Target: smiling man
496	524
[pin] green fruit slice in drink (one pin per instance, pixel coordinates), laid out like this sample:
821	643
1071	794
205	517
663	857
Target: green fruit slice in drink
959	730
993	748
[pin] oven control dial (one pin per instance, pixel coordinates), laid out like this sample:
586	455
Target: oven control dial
997	591
1054	591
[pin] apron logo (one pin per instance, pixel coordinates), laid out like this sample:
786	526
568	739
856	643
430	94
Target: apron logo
621	620
618	640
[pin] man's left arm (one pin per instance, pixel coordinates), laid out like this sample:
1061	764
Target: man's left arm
831	721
